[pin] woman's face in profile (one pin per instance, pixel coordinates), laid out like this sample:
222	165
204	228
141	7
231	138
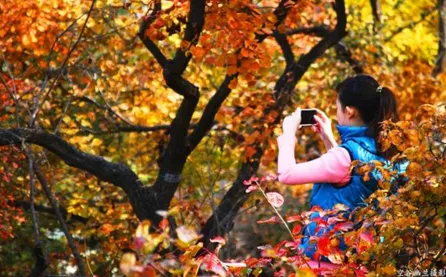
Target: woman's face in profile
341	115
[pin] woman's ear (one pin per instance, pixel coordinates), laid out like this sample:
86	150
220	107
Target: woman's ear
351	112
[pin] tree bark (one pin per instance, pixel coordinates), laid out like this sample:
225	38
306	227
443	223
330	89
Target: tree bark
441	56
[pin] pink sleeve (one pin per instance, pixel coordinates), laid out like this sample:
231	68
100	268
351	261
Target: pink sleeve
332	167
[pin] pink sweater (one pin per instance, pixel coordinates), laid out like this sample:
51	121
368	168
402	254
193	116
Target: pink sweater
331	167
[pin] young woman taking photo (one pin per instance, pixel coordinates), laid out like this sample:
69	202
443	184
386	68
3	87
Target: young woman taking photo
362	104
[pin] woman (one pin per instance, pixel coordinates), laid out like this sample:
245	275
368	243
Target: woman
362	104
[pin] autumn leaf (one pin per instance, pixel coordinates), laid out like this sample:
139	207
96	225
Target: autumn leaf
273	219
127	263
186	234
275	199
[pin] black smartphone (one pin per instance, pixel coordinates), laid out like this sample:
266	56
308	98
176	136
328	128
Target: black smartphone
307	117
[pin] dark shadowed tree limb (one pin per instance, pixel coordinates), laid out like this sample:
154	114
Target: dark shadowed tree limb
319	30
208	118
60	218
285	46
117	174
221	221
148	43
195	23
41	260
341	49
285	85
441	56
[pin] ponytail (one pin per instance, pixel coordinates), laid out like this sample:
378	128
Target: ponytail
387	110
374	103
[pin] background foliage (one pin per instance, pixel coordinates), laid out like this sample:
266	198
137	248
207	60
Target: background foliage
89	73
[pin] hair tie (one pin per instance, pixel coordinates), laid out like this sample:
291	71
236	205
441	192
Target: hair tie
379	89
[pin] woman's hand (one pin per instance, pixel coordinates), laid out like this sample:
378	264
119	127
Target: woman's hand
323	127
292	122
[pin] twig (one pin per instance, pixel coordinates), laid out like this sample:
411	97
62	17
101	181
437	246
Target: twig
61	220
13	94
36	108
41	263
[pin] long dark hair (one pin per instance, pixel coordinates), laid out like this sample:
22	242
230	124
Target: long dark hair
374	103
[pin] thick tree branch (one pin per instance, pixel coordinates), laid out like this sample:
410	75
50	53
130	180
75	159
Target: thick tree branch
221	221
41	263
195	23
441	56
345	54
148	43
320	31
141	198
208	118
116	173
286	48
60	217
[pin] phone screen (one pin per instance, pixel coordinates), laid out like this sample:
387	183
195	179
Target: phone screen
307	117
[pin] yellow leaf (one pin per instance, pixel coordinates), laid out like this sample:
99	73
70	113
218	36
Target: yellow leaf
128	261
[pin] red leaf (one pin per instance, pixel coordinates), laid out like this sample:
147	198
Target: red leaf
297	228
323	246
273	219
293	218
366	236
345	226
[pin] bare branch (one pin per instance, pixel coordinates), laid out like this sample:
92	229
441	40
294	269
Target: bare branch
341	49
36	108
62	222
285	85
13	94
